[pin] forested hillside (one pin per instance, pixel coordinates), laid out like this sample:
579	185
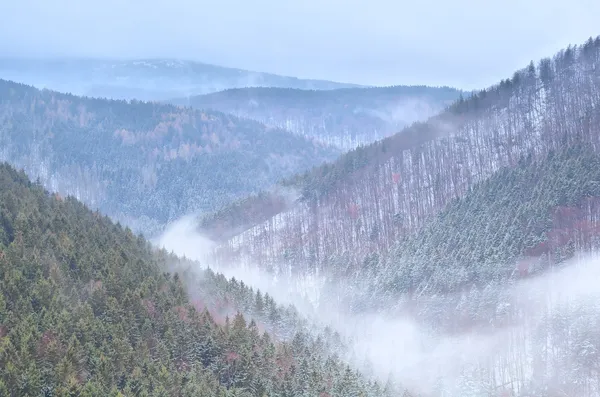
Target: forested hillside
473	227
361	204
143	79
503	268
89	309
345	117
144	163
519	221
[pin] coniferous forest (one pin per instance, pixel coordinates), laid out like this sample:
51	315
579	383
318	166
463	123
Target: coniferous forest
88	309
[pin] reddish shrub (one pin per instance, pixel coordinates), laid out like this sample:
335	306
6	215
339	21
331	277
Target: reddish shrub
232	356
150	307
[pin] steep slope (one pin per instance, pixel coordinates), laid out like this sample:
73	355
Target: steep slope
87	309
143	79
518	222
452	227
345	118
144	162
375	195
505	269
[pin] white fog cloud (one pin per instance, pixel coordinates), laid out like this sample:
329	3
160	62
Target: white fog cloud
419	357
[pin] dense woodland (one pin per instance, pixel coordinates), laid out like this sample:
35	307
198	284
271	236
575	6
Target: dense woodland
88	309
367	200
144	163
463	224
515	223
345	117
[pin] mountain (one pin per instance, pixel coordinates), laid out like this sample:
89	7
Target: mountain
464	246
143	79
89	309
478	231
363	203
144	163
345	117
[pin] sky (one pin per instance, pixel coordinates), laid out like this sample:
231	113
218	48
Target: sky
468	44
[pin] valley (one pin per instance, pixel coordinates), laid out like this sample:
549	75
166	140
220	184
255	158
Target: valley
177	228
452	231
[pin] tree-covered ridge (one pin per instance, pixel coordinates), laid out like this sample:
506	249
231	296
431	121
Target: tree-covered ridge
86	308
373	196
345	117
144	160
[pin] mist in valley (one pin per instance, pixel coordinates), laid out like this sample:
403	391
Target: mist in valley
535	335
359	222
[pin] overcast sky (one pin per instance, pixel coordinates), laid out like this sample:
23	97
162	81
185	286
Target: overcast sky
462	43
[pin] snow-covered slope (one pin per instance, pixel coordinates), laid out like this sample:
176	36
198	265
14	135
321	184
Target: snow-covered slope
458	248
373	196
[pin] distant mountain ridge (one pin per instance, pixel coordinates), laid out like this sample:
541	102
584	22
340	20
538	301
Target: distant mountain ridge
343	117
143	79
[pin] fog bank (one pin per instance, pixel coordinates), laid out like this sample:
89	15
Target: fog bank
504	348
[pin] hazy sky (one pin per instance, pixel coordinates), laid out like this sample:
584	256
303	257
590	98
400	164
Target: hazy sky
463	43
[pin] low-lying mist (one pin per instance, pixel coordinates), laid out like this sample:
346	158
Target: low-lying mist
182	238
536	335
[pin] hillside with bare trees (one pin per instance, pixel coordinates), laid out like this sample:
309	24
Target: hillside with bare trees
478	228
373	196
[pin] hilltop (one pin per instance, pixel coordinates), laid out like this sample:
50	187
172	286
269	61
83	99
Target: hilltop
145	163
345	117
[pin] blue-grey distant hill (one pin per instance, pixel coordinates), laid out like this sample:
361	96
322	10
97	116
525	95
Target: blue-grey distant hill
144	79
344	117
